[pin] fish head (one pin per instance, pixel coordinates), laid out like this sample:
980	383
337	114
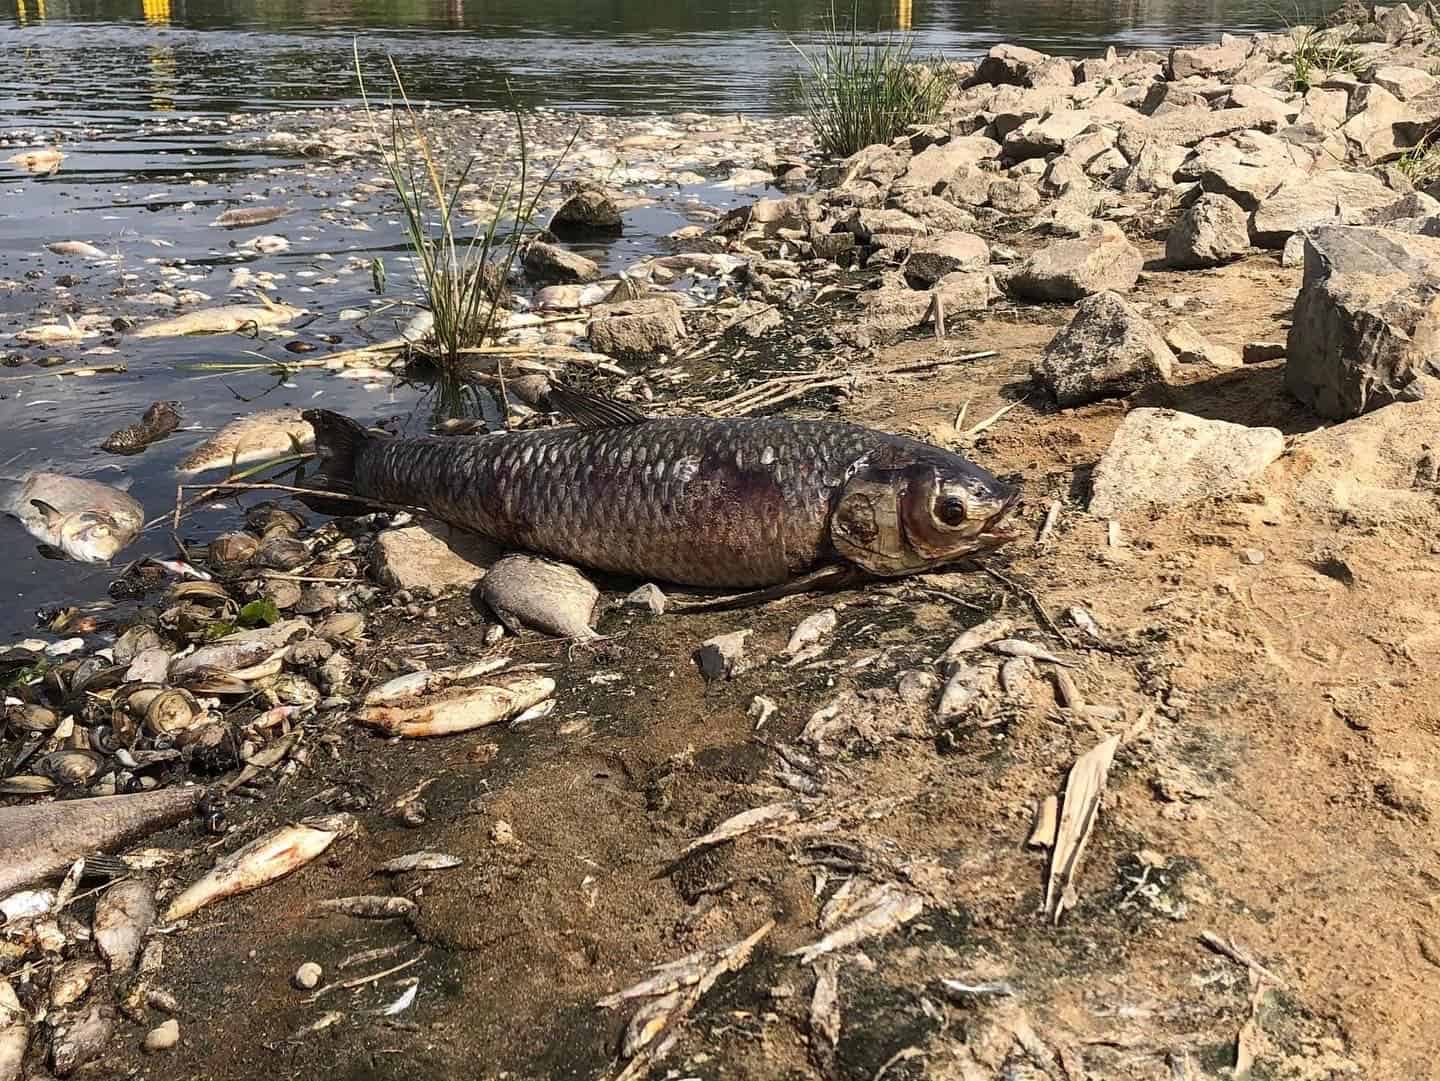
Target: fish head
91	536
900	517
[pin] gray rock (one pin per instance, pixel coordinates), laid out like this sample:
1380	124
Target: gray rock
1262	352
1072	269
548	263
1329	197
1063	172
932	168
1190	125
1207	60
1015	65
1403	82
933	257
590	210
1214	230
1366	321
1039	137
897	308
1109	350
867	224
1414	205
649	597
637	330
1293	254
1152	167
939	214
543	594
833	246
1013	196
1159	458
878	163
1371	132
431	554
970	186
722	657
1326	109
1245	167
1192	347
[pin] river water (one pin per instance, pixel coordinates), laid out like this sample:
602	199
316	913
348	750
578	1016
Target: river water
135	91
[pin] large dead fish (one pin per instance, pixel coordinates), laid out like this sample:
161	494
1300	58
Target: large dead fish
691	500
86	520
223	320
268	433
44	839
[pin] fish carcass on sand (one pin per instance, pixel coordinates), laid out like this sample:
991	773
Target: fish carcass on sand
266	434
691	500
43	839
86	520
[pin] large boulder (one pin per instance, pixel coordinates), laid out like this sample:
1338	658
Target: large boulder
1335	196
638	329
932	169
1371	132
1037	138
1081	267
1109	350
1015	65
1245	167
1212	231
934	257
1160	458
1191	125
868	224
1367	321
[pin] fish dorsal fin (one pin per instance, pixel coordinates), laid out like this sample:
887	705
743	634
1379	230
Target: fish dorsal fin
47	512
592	410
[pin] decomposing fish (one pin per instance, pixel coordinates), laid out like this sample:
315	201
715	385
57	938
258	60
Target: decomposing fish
880	910
81	1041
159	420
41	162
86	520
71	981
370	907
223	320
419	861
1018	647
414	684
766	817
252	438
551	597
973	638
502	699
78	248
54	333
44	839
239	652
811	630
261	862
693	500
246	216
123	915
14	1033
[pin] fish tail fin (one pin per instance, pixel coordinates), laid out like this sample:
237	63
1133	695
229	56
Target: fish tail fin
338	440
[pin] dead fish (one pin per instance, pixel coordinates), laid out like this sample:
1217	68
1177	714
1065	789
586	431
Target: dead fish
475	707
44	839
649	1021
693	500
54	333
27	905
883	909
415	684
811	630
960	693
1018	647
86	520
223	320
419	861
256	437
1082	618
81	1041
14	1033
551	597
77	248
38	162
767	817
268	244
71	981
239	652
976	637
261	862
371	907
246	216
123	916
159	420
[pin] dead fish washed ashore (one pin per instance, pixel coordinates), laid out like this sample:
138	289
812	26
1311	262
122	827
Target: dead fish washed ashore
695	501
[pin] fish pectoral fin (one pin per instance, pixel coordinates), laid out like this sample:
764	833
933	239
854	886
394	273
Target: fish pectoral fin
592	410
49	513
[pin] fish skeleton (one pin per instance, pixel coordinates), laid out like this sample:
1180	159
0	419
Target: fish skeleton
86	520
691	500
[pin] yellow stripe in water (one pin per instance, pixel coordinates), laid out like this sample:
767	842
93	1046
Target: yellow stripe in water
21	15
156	11
904	13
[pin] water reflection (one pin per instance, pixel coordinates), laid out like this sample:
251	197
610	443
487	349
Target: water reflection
156	12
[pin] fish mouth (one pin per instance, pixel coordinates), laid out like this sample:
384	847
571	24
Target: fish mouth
1004	525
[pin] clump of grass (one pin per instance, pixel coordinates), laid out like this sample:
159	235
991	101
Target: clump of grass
1421	163
1321	53
857	92
462	273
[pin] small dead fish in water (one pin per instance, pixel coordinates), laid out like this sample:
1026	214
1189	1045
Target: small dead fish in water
419	861
269	244
44	162
247	216
551	597
223	320
54	333
77	248
159	420
742	502
85	519
261	862
1018	647
880	911
415	684
370	907
123	916
255	437
44	839
470	708
982	634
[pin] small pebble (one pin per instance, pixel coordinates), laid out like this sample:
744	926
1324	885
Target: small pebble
307	976
163	1036
1253	556
648	597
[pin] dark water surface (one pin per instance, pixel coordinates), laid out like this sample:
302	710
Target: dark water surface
134	92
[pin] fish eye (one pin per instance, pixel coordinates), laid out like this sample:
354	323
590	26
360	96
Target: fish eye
951	510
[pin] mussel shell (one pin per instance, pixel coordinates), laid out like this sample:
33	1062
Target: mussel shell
72	766
136	699
271	519
28	718
283	552
208	593
283	593
172	710
97	674
26	784
316	599
289	689
208	681
233	548
341	627
135	641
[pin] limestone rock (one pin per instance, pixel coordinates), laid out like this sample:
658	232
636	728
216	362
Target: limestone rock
934	257
1109	350
1160	458
896	308
1013	196
867	224
548	263
589	211
931	169
431	554
722	657
637	330
1037	138
1403	82
1332	196
938	214
1209	60
1191	125
1212	231
1367	320
1082	267
1370	132
1015	65
1152	167
1192	347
